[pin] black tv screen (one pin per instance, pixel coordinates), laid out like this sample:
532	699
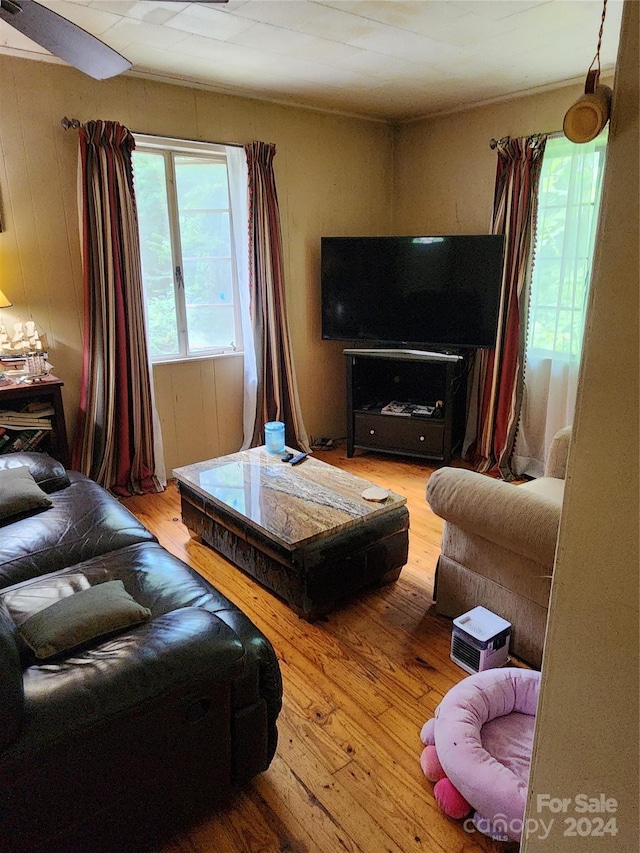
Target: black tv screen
440	292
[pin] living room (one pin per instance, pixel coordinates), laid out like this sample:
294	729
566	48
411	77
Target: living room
362	177
353	192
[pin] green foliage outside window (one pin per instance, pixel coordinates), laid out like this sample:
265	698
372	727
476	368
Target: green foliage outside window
199	258
155	251
568	204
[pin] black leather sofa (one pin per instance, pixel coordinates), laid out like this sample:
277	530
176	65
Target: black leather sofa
111	746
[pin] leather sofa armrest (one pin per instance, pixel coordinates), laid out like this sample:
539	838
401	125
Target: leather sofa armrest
48	473
556	465
175	651
513	518
11	686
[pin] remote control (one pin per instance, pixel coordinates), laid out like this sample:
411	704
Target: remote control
299	458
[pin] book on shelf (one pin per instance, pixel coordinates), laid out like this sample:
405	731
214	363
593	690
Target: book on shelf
408	410
27	427
423	411
36	438
12	420
395	407
39	408
12	360
34	415
20	441
28	439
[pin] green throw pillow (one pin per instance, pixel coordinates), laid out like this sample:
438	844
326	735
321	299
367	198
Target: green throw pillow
84	616
19	492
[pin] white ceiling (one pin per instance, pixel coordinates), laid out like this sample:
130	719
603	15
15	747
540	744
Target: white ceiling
384	59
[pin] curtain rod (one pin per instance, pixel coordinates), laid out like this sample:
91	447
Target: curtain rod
68	123
493	143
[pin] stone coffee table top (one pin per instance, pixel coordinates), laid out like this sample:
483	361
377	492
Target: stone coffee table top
293	504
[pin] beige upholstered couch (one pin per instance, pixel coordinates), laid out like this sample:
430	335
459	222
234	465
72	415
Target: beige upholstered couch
498	545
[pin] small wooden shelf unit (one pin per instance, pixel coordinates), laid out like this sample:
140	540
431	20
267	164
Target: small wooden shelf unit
376	377
16	396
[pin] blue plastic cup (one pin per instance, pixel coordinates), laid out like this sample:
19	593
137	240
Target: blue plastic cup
274	436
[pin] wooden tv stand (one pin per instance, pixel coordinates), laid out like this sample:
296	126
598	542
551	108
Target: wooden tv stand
376	377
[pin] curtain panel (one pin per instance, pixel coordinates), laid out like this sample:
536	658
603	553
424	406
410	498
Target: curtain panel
114	442
238	194
569	203
277	394
497	387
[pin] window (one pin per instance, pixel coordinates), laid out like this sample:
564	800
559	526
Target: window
568	205
187	248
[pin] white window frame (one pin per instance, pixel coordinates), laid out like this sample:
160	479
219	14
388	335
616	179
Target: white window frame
210	151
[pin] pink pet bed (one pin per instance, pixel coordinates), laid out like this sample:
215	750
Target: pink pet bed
478	749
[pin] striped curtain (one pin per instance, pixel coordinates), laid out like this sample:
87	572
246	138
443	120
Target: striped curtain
499	372
277	394
114	442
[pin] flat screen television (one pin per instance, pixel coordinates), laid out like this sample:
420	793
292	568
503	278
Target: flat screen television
426	292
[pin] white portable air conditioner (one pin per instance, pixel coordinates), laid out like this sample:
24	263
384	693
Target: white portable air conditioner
480	640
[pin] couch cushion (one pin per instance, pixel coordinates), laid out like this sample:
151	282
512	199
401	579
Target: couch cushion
121	673
19	493
83	521
163	583
549	487
76	620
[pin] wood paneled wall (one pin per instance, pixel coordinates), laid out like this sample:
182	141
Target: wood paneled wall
334	176
200	408
445	169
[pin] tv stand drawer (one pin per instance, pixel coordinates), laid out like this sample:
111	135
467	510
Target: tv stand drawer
419	436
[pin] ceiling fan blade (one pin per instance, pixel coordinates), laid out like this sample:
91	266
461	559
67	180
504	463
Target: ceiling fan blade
63	39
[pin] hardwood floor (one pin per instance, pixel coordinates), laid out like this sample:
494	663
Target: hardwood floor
358	686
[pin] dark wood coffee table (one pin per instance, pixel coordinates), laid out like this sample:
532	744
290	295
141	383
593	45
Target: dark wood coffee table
305	532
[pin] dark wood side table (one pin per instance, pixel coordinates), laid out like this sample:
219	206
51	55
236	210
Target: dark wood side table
16	395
